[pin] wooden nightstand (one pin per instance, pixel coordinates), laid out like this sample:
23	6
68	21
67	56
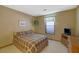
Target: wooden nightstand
71	42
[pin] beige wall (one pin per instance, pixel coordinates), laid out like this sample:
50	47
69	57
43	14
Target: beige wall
41	27
63	19
9	23
77	28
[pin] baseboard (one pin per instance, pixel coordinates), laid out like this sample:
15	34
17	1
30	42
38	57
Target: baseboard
6	45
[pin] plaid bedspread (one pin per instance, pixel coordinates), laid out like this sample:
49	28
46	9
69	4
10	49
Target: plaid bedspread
30	43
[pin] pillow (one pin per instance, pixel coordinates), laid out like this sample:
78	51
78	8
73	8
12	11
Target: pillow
29	32
20	33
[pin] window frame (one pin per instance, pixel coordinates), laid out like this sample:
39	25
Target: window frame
45	25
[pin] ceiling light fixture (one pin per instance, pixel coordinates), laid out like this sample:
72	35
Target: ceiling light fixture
44	9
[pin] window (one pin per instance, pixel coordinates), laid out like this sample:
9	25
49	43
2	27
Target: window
49	24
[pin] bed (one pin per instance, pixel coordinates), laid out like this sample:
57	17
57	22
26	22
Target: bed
28	41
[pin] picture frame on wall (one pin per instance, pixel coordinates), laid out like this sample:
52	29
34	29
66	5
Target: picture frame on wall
22	23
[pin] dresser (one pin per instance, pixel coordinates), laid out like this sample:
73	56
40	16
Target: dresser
71	42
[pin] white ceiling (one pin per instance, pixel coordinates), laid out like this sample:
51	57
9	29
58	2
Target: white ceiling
37	10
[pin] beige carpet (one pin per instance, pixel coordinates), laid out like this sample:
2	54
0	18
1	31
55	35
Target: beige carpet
53	47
